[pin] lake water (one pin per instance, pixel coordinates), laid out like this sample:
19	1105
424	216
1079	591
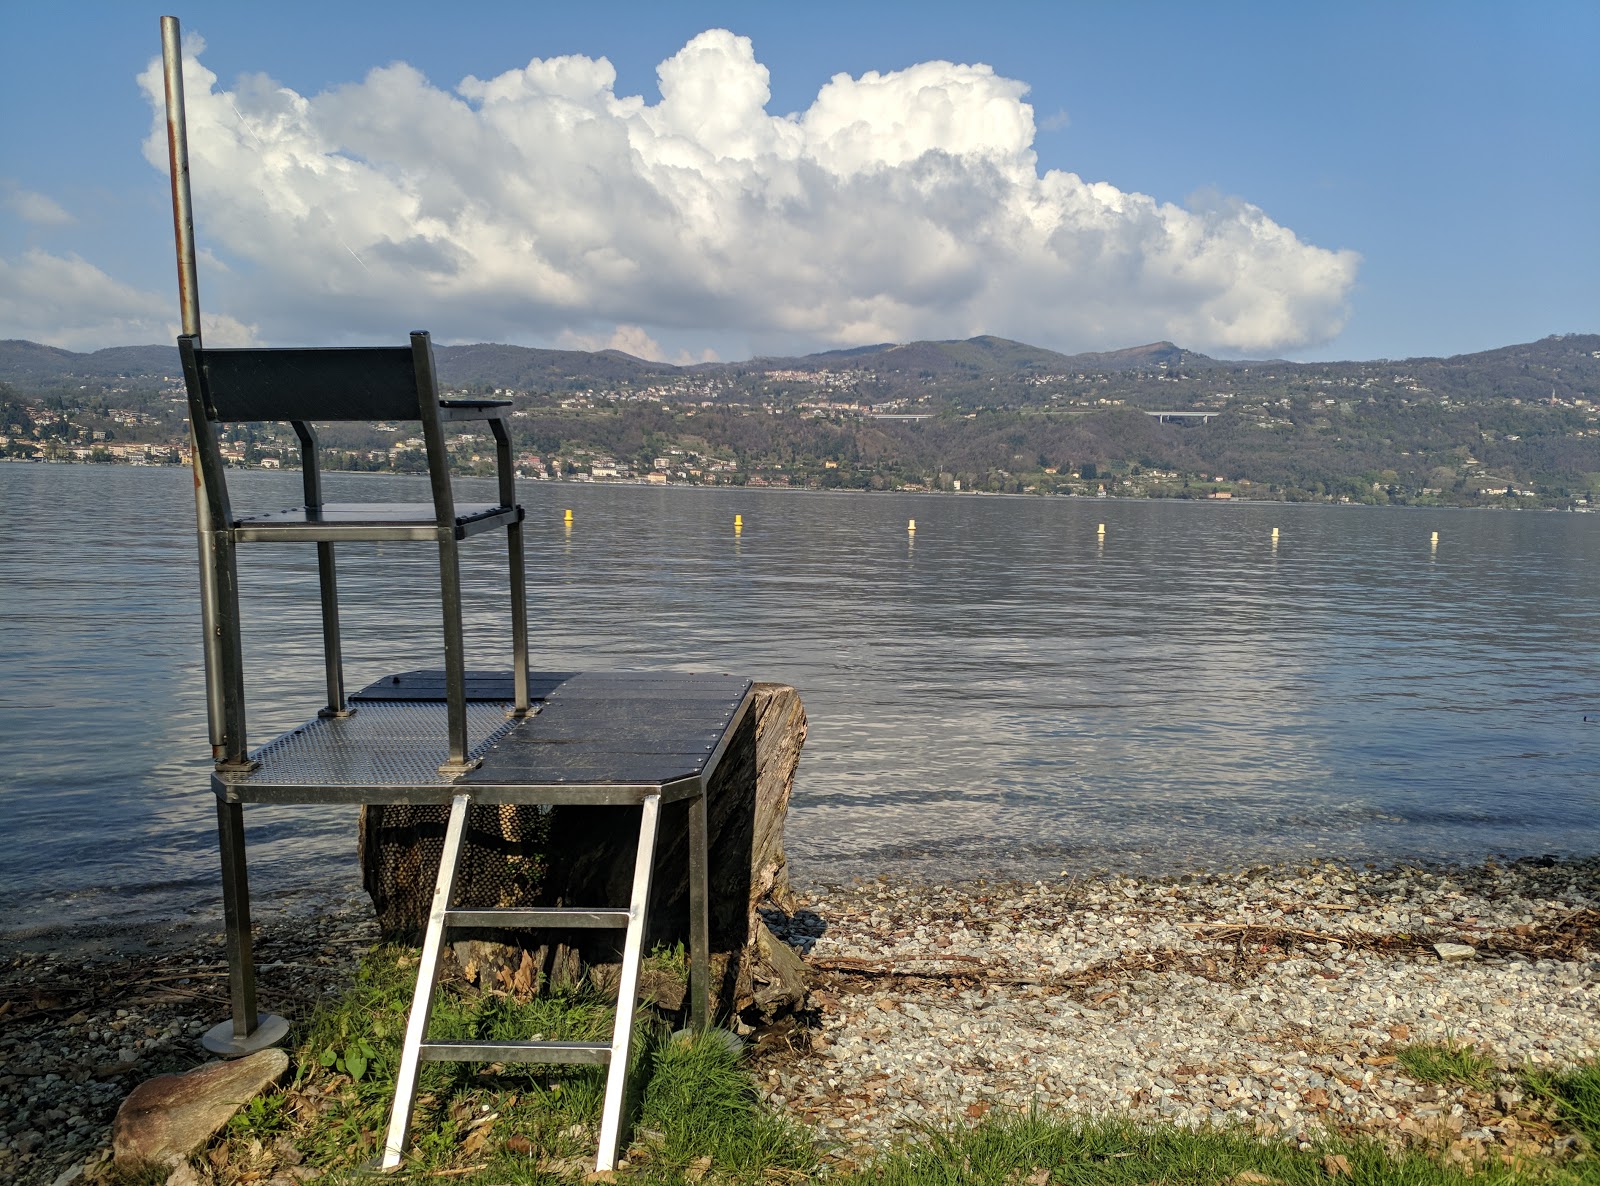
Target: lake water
1004	693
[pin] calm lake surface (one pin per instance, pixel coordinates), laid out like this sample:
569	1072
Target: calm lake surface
1003	694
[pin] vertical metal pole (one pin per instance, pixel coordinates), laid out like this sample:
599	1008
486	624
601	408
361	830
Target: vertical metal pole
236	917
247	1030
189	307
178	160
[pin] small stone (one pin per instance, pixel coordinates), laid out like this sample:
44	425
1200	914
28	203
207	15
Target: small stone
1450	952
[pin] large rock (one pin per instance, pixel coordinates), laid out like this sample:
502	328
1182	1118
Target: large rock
167	1118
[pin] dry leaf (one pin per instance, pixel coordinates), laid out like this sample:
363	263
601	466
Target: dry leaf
1316	1098
601	1176
1399	1032
517	1143
1251	1178
696	1169
474	1143
564	1167
1381	1060
1039	1177
1337	1165
976	1111
526	979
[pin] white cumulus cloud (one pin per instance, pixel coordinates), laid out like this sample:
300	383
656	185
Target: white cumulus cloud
37	208
630	339
538	204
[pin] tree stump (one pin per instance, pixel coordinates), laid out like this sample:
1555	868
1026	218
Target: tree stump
584	856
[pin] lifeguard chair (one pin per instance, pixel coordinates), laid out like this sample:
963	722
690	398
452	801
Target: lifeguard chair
452	737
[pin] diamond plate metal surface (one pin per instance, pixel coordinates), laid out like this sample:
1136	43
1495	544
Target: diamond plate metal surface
393	743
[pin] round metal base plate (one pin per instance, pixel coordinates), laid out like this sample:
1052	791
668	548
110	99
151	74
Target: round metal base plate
270	1030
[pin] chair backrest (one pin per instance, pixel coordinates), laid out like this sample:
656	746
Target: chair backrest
336	383
300	385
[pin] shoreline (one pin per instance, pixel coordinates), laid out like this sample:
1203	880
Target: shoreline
1089	498
1273	997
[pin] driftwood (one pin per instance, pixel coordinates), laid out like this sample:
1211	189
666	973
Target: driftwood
583	856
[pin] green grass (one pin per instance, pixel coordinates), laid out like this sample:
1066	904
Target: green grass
1446	1062
1575	1096
1039	1151
698	1120
692	1099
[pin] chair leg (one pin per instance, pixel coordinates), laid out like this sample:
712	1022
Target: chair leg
226	652
246	1030
455	659
236	918
519	617
332	658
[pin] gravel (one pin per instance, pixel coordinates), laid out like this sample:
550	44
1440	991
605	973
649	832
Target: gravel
78	1030
1273	998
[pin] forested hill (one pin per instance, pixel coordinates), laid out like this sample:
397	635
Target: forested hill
982	372
1511	426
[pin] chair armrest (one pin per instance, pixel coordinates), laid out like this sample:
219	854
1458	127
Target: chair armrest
473	409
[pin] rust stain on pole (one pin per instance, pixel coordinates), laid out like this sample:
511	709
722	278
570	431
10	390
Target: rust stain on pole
189	301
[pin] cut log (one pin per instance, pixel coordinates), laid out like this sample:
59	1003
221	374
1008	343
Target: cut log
583	856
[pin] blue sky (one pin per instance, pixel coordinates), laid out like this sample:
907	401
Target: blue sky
1315	181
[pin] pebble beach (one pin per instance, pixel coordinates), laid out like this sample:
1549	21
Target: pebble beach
1274	999
1280	999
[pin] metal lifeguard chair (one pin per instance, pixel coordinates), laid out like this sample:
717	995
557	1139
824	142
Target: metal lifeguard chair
451	737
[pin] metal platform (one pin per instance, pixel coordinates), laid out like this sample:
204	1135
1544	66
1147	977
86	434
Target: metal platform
592	737
597	738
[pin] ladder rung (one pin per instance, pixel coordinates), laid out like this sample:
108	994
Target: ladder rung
536	1052
550	917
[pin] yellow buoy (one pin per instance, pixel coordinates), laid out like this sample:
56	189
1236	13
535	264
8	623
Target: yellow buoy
738	522
911	526
1433	541
1274	533
569	515
1101	530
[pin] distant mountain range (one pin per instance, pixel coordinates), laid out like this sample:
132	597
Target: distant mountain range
1568	365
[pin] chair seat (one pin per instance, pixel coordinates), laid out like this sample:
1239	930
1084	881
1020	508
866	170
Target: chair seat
358	521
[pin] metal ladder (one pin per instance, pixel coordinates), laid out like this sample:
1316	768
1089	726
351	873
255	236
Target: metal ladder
614	1056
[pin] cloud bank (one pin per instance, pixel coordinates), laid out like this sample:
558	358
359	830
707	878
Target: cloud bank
65	301
540	205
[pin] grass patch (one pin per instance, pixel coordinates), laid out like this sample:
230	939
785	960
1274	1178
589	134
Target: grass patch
703	1104
1575	1098
1037	1151
699	1121
694	1105
1446	1062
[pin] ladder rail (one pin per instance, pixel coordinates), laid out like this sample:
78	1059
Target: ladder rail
628	987
405	1091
